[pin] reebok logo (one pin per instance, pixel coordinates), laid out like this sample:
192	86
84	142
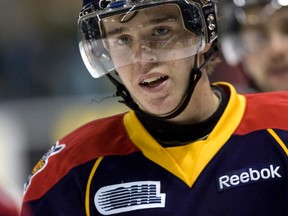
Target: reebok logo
248	176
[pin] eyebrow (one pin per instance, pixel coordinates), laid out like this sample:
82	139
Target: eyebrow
152	21
162	19
115	31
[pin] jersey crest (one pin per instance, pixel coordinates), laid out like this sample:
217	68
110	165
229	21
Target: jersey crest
55	149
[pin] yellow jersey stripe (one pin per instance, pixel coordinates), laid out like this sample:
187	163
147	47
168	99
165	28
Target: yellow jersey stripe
279	141
87	194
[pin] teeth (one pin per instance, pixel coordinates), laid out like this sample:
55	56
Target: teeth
150	80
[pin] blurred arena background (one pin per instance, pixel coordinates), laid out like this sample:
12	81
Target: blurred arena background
45	90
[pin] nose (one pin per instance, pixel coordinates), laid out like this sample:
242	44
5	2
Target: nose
145	54
278	44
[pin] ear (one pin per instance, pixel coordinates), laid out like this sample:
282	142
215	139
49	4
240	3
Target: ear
201	55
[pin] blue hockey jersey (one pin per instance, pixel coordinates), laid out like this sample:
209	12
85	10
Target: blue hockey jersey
114	166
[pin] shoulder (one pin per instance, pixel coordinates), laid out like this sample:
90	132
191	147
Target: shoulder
267	104
98	138
110	131
278	99
265	110
95	139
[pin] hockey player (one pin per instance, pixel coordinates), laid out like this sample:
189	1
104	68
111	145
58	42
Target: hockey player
254	35
187	147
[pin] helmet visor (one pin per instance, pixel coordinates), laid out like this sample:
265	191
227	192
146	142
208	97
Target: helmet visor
109	41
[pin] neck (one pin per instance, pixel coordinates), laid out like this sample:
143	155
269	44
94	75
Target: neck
170	134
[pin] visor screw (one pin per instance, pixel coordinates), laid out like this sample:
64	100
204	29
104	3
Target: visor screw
211	22
213	35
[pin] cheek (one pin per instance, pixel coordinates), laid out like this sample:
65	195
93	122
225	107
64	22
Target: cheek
254	66
259	59
253	60
183	64
184	67
126	76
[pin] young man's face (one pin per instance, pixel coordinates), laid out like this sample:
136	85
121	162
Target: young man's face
154	56
266	61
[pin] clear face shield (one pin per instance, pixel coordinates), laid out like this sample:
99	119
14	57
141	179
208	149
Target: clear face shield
123	34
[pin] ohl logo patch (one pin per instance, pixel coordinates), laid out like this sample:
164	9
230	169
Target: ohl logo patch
55	149
131	196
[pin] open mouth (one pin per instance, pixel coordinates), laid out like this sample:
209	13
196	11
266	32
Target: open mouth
154	81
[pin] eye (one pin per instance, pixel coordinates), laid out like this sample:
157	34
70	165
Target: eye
160	31
123	40
284	30
254	40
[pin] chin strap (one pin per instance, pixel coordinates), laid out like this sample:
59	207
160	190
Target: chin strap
195	76
121	91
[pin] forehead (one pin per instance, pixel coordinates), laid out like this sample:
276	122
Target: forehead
265	16
142	17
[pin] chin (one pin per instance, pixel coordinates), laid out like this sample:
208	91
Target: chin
157	111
